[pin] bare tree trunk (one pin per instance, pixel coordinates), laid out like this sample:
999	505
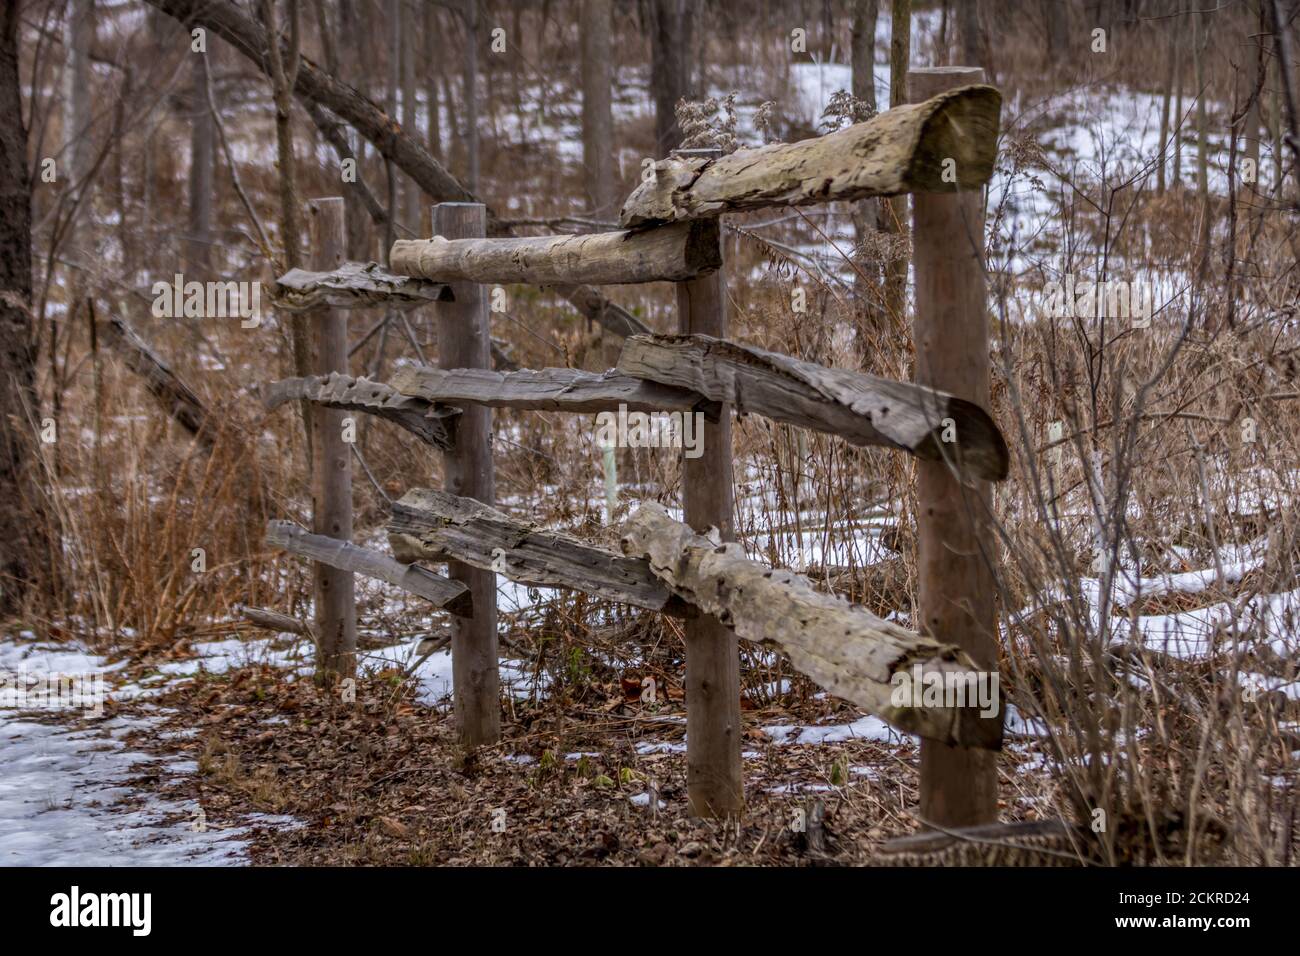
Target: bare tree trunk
597	108
671	28
1199	41
470	14
597	26
22	531
969	27
1171	54
393	10
199	255
431	58
1056	23
863	53
81	114
79	138
1178	102
283	77
1275	131
411	196
1254	111
357	213
865	214
893	211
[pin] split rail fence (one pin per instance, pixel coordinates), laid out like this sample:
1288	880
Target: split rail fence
942	148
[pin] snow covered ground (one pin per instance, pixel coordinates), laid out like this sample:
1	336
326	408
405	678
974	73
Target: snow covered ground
64	765
62	771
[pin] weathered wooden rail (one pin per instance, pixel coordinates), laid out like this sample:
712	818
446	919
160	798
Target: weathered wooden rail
846	649
549	389
673	253
862	409
428	525
944	146
690	373
667	567
432	423
450	596
354	285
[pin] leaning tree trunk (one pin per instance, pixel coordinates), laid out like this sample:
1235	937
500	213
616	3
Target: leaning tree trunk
21	531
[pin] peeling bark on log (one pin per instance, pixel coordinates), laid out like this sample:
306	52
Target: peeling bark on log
175	397
355	285
899	151
862	409
434	525
844	648
433	424
671	254
548	389
451	596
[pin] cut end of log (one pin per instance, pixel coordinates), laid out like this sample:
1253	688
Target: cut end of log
462	606
979	450
704	247
962	127
962	726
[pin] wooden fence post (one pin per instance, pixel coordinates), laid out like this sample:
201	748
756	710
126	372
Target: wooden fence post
331	490
714	783
464	341
955	582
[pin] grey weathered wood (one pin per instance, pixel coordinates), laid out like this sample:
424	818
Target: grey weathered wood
451	596
898	151
955	582
433	424
465	341
715	780
429	525
843	647
548	389
669	254
354	285
862	409
336	611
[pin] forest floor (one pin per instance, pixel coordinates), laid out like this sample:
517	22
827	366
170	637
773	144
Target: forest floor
237	758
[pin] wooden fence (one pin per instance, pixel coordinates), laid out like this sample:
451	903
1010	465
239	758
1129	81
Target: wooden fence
941	147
